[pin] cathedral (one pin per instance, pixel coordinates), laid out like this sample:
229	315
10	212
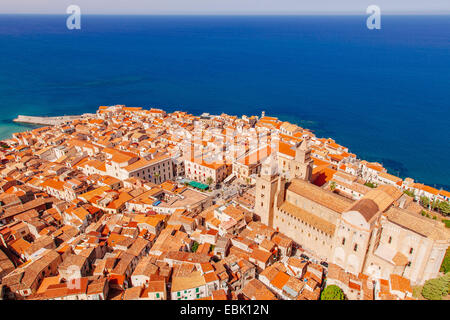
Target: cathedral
375	235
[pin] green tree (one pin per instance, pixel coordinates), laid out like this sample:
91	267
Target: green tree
409	193
209	181
332	292
194	246
424	201
332	185
435	289
444	207
435	205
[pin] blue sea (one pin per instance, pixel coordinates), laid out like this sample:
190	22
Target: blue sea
385	93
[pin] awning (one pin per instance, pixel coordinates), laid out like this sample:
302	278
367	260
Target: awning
198	185
229	178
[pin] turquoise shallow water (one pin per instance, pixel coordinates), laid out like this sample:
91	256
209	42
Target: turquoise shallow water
384	94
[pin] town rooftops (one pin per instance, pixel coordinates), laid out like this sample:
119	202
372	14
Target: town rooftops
192	280
256	290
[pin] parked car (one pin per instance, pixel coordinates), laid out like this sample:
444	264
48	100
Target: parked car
324	264
304	256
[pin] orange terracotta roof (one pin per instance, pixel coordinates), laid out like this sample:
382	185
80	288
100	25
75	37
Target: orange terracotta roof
280	280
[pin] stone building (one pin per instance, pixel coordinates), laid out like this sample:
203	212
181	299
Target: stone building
375	235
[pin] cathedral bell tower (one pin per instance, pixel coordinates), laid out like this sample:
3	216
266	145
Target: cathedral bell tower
266	188
302	164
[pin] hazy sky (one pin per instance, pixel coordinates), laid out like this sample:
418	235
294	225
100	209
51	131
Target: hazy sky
223	6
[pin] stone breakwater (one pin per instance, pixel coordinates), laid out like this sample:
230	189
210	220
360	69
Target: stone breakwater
50	121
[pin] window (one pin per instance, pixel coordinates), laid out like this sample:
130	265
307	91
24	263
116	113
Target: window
157	295
390	240
355	247
411	251
196	290
178	294
343	241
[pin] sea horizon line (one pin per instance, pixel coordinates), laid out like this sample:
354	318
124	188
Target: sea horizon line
262	14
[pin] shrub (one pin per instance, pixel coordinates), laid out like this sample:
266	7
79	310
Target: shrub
447	223
370	184
445	267
332	292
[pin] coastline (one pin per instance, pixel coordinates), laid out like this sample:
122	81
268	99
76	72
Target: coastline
23	123
33	122
49	121
374	109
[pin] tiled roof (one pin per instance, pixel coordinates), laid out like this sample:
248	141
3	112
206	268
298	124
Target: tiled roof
319	195
309	218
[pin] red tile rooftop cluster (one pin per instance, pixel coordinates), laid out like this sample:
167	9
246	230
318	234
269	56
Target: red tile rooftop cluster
140	204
